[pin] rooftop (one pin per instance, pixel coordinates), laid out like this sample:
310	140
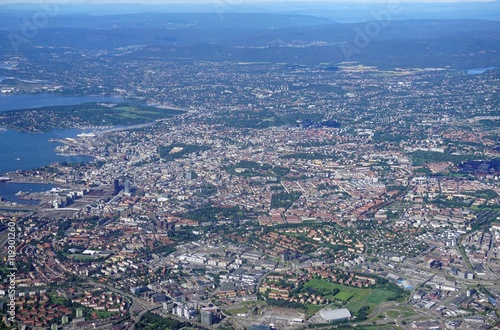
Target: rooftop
335	314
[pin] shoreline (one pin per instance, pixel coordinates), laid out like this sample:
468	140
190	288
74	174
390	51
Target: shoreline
17	181
29	161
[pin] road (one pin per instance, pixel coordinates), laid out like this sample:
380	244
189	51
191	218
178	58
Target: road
383	308
142	305
4	237
138	317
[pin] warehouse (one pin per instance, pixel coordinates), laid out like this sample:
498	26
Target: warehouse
335	315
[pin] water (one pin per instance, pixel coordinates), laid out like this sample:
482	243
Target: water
8	190
24	151
16	102
481	70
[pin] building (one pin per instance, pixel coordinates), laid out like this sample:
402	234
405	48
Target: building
138	290
407	285
335	315
259	327
183	310
127	188
116	186
158	298
207	317
427	325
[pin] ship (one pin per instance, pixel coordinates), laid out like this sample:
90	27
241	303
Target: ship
4	178
86	135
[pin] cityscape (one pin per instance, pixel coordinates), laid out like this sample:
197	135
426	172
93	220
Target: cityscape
219	192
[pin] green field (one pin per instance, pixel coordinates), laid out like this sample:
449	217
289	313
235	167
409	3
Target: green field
378	296
354	306
55	299
400	313
86	114
235	311
320	285
105	314
344	296
393	314
313	309
83	257
354	297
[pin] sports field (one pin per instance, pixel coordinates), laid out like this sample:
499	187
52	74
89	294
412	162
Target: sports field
344	296
353	297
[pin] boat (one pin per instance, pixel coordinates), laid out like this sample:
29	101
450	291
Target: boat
4	178
86	135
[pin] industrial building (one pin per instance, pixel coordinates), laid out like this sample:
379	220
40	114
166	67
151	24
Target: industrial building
335	315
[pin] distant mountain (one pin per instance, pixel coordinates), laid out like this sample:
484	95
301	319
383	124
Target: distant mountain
11	20
362	11
276	38
347	12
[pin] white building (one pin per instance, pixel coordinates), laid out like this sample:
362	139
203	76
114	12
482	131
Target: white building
335	315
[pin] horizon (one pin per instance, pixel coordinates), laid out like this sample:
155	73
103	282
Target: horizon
236	2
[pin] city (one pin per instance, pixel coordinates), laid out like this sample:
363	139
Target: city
238	195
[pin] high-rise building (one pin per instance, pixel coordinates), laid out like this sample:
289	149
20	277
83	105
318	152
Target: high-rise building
127	188
116	186
207	317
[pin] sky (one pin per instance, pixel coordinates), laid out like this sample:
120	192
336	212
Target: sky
228	2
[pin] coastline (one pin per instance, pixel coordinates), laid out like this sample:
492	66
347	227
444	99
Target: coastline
25	194
34	150
22	151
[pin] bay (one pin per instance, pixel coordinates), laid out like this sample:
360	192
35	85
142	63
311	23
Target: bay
21	101
8	190
24	151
